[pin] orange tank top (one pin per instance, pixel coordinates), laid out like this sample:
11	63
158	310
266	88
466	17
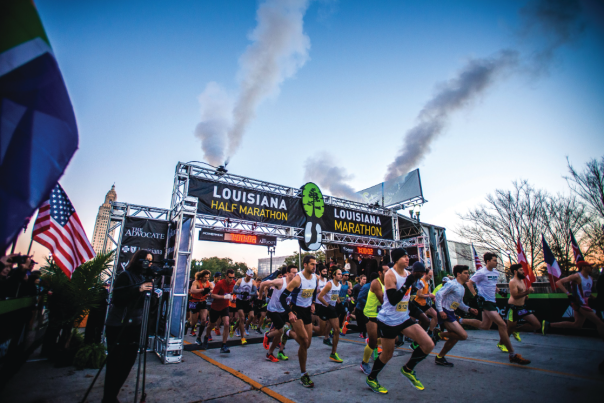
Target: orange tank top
199	297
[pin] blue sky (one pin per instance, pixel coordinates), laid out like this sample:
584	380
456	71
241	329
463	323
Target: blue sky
135	70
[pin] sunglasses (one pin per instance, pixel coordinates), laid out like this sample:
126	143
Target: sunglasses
231	277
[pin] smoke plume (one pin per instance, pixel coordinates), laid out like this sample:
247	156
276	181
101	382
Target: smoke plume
556	23
321	169
279	48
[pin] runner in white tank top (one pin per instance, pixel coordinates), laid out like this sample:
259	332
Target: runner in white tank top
329	296
319	315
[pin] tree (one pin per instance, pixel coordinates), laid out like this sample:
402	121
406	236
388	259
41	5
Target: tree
508	216
293	259
217	264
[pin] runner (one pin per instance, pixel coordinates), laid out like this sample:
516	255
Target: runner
302	289
260	307
222	295
277	314
581	285
329	296
245	290
359	317
375	299
394	318
443	281
342	304
486	280
517	304
209	300
323	328
199	293
424	300
447	300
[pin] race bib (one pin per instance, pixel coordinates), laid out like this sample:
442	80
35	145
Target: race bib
586	294
454	306
307	293
334	297
402	306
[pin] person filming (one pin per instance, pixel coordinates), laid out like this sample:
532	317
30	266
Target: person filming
123	324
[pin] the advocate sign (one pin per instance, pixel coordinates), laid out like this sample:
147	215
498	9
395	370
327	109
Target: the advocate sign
226	200
142	233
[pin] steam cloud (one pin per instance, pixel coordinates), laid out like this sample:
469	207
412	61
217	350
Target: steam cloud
322	169
558	23
278	50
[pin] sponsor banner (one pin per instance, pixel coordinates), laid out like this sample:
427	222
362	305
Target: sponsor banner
253	239
354	222
142	233
226	200
361	250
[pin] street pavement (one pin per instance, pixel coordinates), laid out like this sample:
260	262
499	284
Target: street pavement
562	368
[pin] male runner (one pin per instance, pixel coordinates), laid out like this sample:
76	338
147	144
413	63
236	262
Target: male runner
375	298
394	318
222	295
319	316
329	296
358	312
277	314
448	299
345	290
304	286
245	290
581	286
486	280
517	304
199	292
260	307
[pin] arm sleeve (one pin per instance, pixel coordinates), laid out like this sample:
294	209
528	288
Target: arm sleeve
236	289
254	290
283	300
394	296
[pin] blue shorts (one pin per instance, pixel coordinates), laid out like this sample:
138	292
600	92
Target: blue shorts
450	317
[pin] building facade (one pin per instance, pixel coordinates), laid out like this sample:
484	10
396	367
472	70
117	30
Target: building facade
102	222
265	264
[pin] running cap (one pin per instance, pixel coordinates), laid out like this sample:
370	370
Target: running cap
218	274
249	272
418	267
397	254
445	279
583	263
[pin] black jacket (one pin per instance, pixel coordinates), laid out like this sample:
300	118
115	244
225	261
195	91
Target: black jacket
127	301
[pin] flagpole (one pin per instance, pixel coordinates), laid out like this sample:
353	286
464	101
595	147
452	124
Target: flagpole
31	241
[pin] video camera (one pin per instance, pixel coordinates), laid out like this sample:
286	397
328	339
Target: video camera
152	272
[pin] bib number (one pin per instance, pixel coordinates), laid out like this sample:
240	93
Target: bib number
454	305
334	297
307	293
402	306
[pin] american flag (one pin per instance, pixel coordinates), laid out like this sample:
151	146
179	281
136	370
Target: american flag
553	268
476	259
58	227
526	268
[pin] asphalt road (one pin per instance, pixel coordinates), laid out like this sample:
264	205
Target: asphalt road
562	368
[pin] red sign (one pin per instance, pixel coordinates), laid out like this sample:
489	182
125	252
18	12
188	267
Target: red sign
365	251
241	238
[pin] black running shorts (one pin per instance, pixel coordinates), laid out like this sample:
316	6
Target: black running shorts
215	315
326	312
303	314
415	310
244	306
486	305
199	306
390	332
515	313
279	319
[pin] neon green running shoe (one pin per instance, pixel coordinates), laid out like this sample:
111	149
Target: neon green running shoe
516	336
335	357
375	386
502	347
282	356
412	378
375	354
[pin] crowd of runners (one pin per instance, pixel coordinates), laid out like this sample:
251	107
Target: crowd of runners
396	305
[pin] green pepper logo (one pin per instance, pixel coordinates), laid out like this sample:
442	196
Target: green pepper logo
314	207
312	200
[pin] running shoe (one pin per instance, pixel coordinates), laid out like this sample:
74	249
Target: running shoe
247	332
365	367
210	336
327	342
517	359
436	336
204	346
306	382
225	349
398	341
516	336
375	386
193	334
335	358
442	361
502	347
282	356
271	358
265	341
217	331
243	341
361	336
545	327
198	341
258	330
412	378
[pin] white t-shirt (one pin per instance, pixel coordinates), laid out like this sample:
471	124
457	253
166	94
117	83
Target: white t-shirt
486	282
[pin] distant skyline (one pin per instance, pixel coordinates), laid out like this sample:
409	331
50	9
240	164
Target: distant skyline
135	72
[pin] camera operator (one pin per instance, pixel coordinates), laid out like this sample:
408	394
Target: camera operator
14	281
123	324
